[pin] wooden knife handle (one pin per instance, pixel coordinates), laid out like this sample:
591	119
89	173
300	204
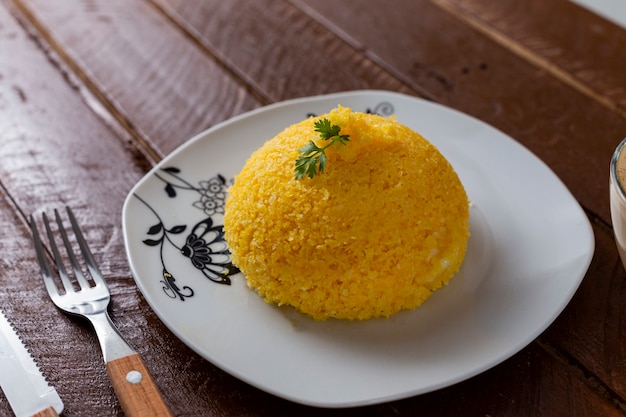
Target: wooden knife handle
135	389
47	412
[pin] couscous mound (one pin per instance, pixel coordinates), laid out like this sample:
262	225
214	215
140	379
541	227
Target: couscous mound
384	226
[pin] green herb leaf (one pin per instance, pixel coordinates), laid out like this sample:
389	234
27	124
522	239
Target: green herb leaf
311	158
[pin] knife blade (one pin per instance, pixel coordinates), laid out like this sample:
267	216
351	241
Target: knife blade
27	390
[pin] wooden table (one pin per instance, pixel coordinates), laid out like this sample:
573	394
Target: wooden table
95	93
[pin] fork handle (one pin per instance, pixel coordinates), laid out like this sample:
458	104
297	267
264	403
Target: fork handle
135	389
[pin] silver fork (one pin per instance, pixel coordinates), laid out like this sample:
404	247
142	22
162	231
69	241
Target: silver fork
133	385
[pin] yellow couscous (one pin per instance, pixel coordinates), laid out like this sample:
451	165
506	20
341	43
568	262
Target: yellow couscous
384	226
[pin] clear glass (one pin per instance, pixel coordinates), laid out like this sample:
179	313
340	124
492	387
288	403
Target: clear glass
617	187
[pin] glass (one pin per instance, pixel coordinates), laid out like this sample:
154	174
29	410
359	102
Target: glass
617	190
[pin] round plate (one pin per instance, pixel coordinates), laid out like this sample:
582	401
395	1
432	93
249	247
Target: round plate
530	246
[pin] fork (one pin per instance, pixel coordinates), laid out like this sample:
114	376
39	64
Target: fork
131	381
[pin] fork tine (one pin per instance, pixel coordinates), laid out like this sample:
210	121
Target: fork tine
65	279
92	265
43	263
78	273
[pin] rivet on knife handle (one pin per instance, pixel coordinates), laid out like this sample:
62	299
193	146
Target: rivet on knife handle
137	392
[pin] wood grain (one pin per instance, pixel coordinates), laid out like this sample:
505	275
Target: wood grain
49	156
591	329
282	52
150	78
583	49
530	383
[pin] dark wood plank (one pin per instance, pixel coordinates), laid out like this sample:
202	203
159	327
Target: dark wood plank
531	383
583	49
46	162
465	68
162	88
591	328
282	52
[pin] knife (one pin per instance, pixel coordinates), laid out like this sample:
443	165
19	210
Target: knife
21	380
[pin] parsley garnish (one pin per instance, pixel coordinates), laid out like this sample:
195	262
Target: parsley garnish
312	158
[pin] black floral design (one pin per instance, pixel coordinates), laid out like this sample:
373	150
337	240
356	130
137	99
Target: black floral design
384	108
212	196
205	245
207	249
172	290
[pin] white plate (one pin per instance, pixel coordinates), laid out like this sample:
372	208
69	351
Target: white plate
530	247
